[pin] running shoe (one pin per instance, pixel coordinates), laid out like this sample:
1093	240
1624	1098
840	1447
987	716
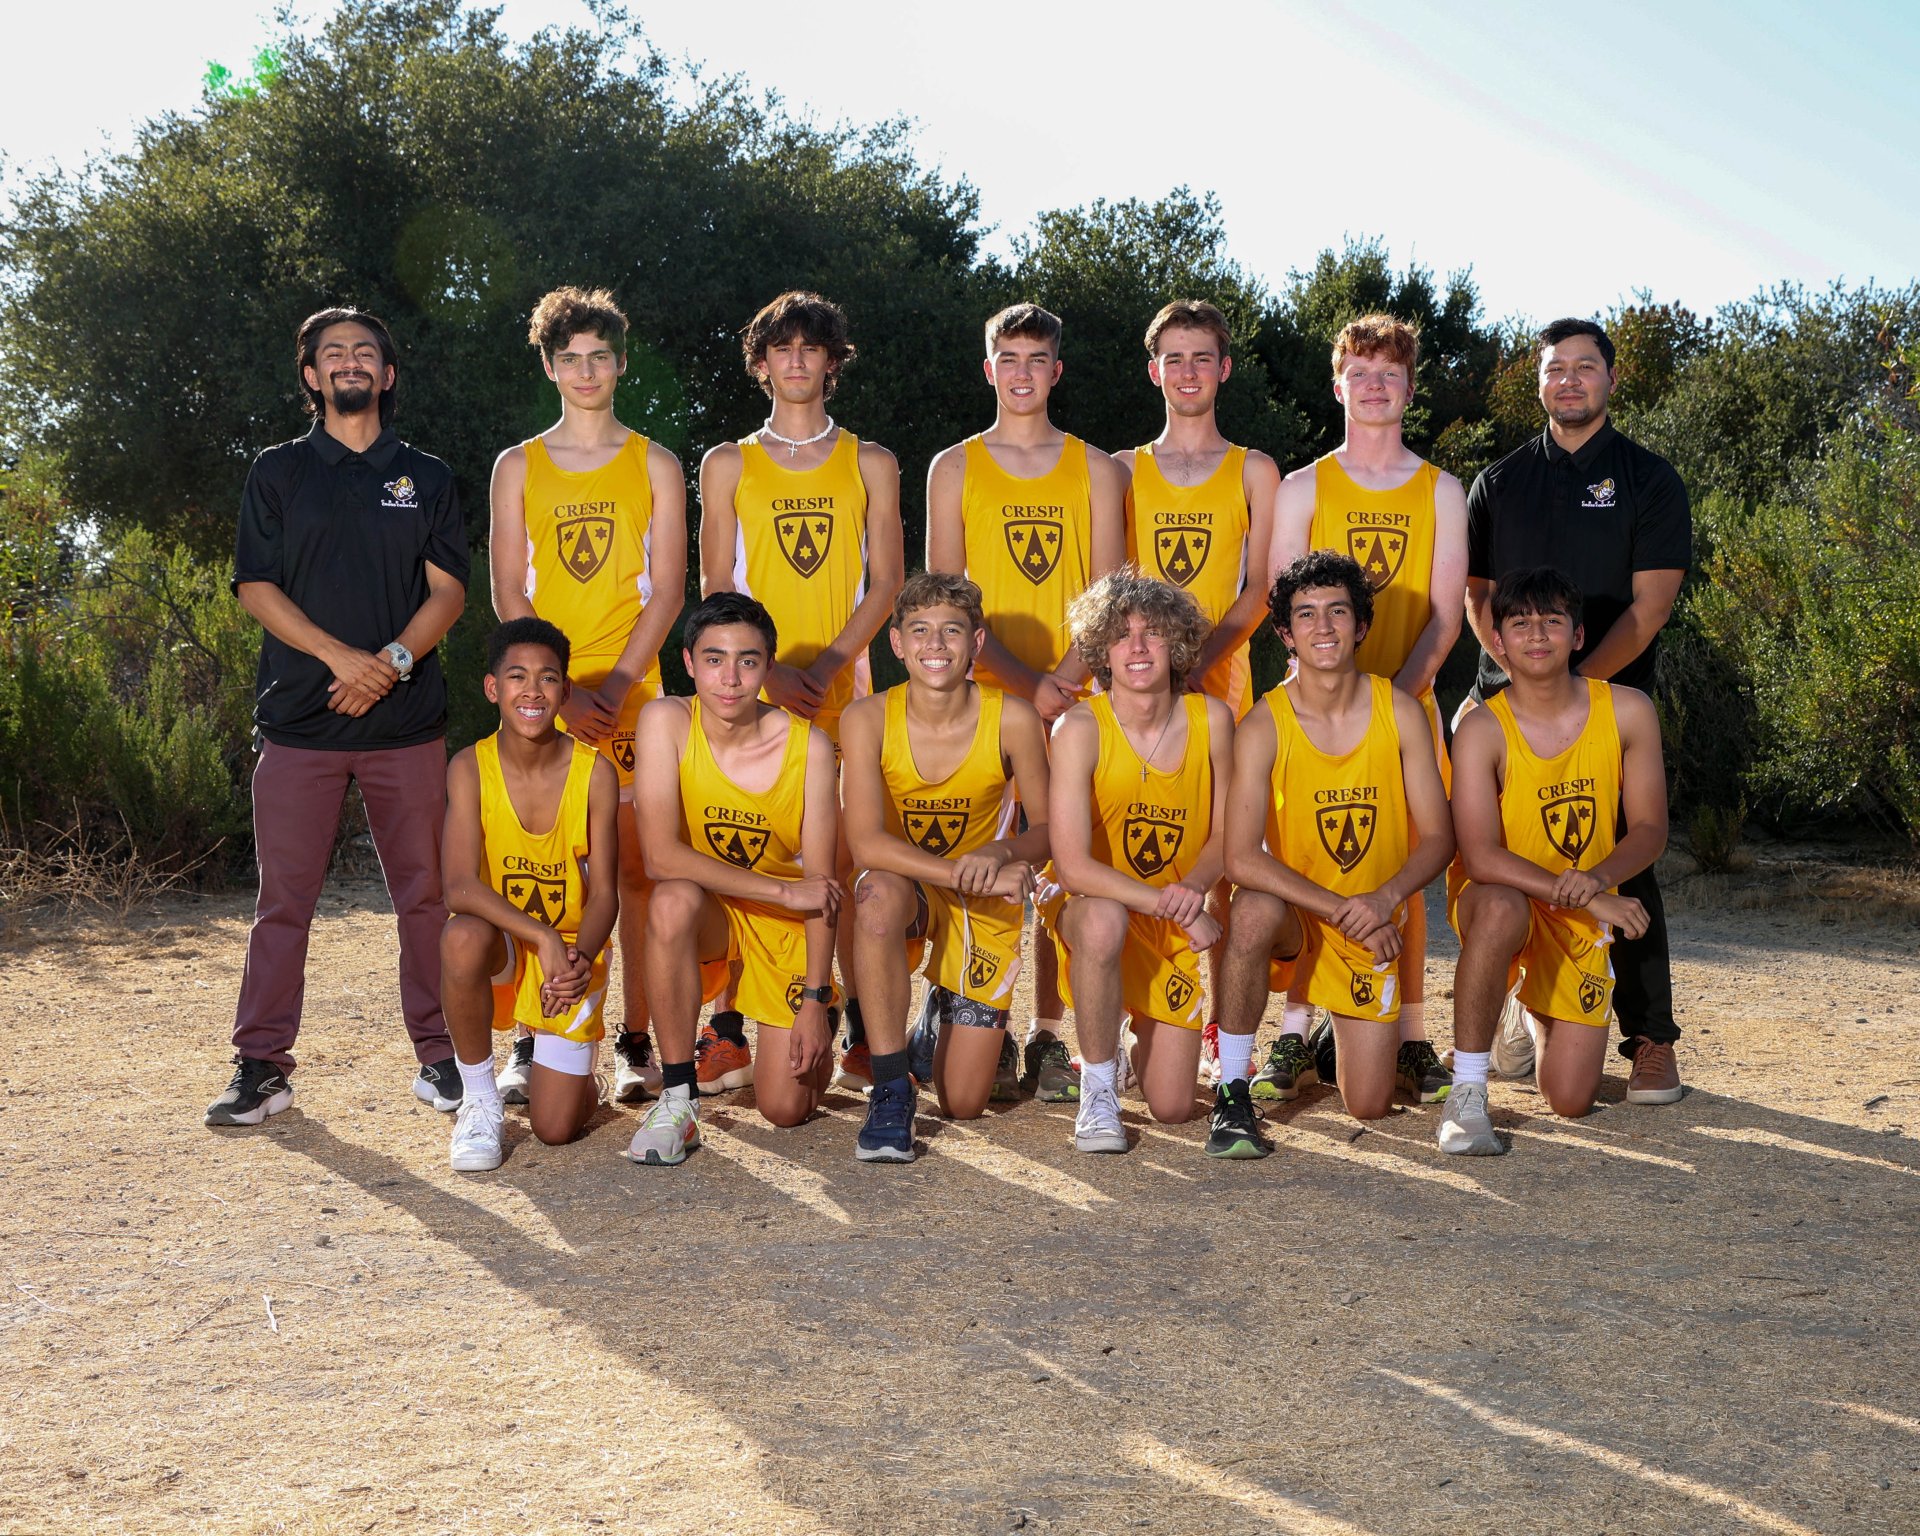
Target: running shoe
1050	1075
669	1130
257	1089
1210	1053
1320	1042
512	1079
476	1135
1466	1130
1288	1068
1420	1073
1006	1076
855	1072
439	1084
1513	1048
924	1038
887	1137
1236	1124
720	1064
1097	1127
636	1075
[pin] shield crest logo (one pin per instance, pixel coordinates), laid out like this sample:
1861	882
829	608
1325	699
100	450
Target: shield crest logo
622	749
1182	552
584	543
1569	823
1377	551
1152	845
936	831
1360	987
737	845
805	538
1593	992
1179	994
1346	832
1034	543
982	967
542	899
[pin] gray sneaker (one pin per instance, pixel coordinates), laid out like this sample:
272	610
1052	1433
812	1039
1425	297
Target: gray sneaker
669	1130
1513	1049
1288	1068
1097	1128
1466	1130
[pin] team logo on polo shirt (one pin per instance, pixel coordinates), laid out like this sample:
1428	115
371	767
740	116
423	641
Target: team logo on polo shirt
1593	992
1377	551
584	543
1034	543
1569	824
541	899
400	492
1151	844
1179	994
936	831
1600	495
1360	987
1182	552
1346	832
740	846
805	538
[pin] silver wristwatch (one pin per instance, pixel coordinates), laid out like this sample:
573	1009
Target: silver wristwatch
402	659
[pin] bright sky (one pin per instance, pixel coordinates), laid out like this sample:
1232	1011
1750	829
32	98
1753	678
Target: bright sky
1698	150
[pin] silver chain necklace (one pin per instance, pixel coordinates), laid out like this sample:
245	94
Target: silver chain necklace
795	444
1147	760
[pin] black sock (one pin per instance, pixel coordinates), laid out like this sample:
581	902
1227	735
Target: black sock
730	1025
856	1026
679	1074
888	1065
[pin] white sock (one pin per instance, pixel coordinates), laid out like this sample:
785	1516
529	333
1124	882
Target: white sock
1096	1075
1236	1057
1469	1066
678	1090
1296	1019
1038	1026
1413	1022
476	1079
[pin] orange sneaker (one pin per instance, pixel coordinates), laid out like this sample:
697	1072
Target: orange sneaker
720	1065
856	1069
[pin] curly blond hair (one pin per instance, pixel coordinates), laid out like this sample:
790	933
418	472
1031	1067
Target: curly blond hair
1098	617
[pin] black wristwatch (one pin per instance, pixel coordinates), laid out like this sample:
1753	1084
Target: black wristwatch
815	995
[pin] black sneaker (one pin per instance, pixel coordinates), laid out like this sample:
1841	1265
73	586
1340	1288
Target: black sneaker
1420	1073
1320	1042
1288	1068
258	1089
1006	1076
1236	1124
924	1038
439	1085
636	1075
1050	1076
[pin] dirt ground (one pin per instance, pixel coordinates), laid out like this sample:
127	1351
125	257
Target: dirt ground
1697	1318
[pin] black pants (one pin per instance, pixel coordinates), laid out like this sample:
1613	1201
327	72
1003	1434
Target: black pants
1643	973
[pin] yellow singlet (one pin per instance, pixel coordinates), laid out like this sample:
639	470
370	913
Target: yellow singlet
1196	537
1560	813
1152	826
1029	547
1342	822
974	941
543	874
767	945
800	547
589	570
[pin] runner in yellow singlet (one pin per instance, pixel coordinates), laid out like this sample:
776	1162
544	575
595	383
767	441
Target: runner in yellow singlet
531	856
1031	515
929	770
1405	522
1543	776
589	531
739	819
1135	817
1336	818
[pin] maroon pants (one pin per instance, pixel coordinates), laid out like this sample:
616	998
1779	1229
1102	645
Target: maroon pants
297	793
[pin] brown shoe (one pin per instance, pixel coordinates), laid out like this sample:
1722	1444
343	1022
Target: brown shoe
1656	1075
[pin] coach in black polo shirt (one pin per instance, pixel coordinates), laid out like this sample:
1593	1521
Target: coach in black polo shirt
352	554
1614	518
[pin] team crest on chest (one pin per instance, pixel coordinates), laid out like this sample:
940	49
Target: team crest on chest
1151	845
542	899
938	832
737	845
1346	832
1377	551
1034	543
584	542
805	538
1569	824
1179	994
1181	552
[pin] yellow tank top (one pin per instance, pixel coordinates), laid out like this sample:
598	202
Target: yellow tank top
539	872
800	547
1390	534
1340	821
718	817
1194	536
958	813
1560	812
589	538
1029	547
1146	823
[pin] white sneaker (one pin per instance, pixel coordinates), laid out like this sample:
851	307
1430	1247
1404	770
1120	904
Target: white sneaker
669	1130
636	1075
476	1135
1123	1059
1097	1128
512	1079
1513	1045
1466	1129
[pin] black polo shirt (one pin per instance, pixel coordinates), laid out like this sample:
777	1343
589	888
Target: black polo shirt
1598	515
347	536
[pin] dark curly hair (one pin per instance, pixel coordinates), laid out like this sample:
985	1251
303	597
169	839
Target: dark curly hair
1320	568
